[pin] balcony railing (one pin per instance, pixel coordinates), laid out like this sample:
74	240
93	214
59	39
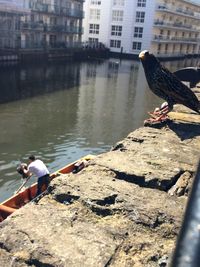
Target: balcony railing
40	26
32	26
178	11
28	44
167	54
174	39
179	25
57	10
63	28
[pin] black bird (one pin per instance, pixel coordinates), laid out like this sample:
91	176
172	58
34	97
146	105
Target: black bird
167	86
189	74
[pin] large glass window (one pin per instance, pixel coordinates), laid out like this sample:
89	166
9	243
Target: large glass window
137	45
116	30
118	2
95	2
141	3
95	14
138	31
94	28
93	40
117	15
140	16
115	43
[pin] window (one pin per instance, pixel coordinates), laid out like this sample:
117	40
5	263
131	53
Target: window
95	14
117	15
159	48
138	31
140	16
137	45
166	48
141	3
116	30
115	43
93	40
94	28
118	2
95	2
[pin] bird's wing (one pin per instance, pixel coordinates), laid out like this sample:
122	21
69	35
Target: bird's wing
174	88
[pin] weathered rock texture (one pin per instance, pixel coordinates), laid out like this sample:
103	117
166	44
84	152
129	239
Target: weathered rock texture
124	209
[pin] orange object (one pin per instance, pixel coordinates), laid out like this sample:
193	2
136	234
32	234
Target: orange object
22	198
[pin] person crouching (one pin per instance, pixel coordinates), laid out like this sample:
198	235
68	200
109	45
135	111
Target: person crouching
38	168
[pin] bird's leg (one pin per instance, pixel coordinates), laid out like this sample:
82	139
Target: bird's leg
159	114
164	109
154	113
159	111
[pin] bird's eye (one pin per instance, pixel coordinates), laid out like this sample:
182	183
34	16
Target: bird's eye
146	53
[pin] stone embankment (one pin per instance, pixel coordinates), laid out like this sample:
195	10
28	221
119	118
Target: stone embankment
124	209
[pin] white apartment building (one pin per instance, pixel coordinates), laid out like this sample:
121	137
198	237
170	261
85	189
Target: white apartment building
168	28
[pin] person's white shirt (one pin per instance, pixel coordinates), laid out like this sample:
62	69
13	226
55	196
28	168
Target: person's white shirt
38	168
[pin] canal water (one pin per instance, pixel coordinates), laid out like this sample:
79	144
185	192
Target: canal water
63	111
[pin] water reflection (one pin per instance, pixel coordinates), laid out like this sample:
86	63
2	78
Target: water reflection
27	81
65	111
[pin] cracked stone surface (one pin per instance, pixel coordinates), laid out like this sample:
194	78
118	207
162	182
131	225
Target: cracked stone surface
124	209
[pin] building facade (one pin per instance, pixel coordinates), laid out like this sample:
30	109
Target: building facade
52	24
41	24
168	28
10	21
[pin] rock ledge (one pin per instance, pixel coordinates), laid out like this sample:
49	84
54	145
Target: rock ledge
124	209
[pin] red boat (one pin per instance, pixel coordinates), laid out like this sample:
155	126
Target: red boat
22	198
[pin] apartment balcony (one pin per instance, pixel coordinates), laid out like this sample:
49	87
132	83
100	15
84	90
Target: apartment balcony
177	11
43	27
40	45
174	39
175	25
57	10
64	29
167	54
36	26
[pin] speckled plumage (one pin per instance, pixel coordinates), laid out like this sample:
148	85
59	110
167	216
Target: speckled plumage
166	85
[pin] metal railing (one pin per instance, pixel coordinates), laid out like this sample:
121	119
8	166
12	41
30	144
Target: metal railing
179	25
40	26
187	251
166	38
30	44
57	10
180	11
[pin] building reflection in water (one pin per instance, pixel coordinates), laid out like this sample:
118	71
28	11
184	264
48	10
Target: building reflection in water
20	82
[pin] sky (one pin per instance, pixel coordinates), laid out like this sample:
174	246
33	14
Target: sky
20	2
195	1
16	2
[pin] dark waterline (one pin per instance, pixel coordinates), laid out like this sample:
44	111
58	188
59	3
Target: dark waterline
61	112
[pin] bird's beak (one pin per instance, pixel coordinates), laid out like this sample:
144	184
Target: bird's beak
142	55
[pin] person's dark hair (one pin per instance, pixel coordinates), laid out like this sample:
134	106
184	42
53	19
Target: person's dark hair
32	157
